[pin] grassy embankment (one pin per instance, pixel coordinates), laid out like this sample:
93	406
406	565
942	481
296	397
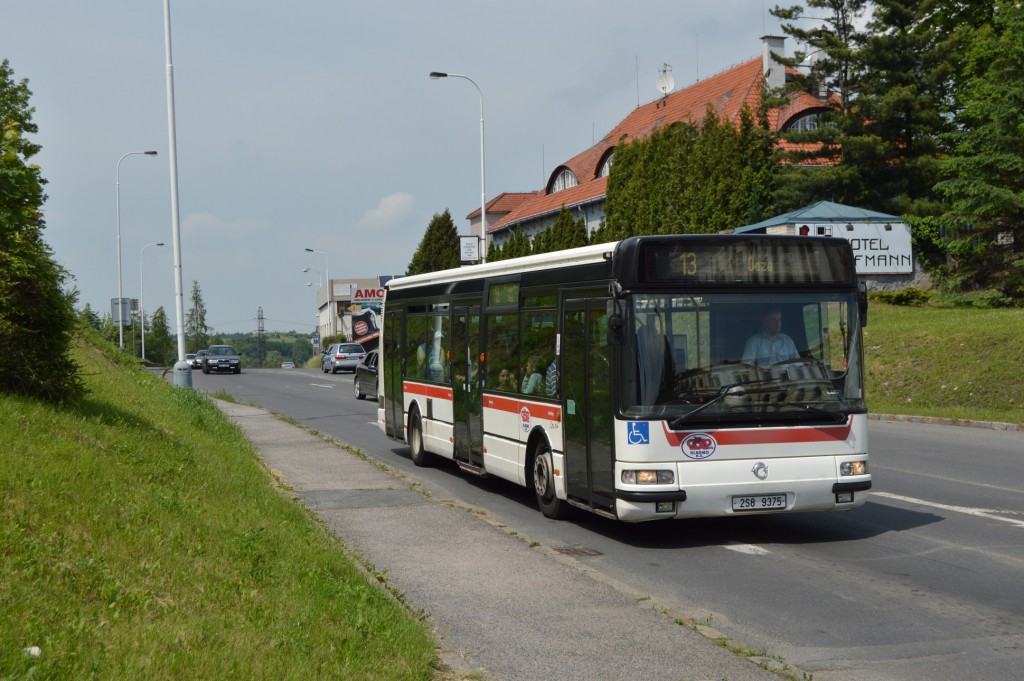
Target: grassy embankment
960	363
141	538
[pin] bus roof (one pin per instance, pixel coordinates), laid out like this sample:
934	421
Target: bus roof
543	261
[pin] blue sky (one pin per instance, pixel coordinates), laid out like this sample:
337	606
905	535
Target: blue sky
314	124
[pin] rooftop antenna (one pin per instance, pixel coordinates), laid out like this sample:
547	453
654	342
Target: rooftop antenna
665	82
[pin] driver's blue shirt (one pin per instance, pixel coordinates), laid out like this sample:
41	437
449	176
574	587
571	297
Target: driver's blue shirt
763	351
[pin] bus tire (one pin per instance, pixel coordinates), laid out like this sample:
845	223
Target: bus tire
544	484
419	455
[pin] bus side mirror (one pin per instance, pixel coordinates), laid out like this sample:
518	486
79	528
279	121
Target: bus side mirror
862	301
614	323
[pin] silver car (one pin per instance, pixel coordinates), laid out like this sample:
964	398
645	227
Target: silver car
342	357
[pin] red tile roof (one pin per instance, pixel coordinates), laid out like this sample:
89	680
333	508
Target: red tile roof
503	203
726	92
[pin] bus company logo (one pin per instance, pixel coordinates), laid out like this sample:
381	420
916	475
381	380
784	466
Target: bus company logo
699	446
360	328
524	417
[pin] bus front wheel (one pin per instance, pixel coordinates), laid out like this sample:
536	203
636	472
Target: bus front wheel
544	484
420	456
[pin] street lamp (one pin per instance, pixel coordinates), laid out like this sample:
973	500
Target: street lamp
483	192
330	294
142	307
120	294
310	269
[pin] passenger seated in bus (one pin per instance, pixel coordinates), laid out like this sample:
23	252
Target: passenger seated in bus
533	381
769	345
506	381
435	367
421	361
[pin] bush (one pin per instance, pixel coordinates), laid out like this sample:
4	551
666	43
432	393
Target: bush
910	296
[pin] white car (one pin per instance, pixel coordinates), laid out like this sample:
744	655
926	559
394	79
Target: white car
342	357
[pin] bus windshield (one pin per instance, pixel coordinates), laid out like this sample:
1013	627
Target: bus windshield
722	357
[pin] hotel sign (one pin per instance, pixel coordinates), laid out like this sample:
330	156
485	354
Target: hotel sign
879	248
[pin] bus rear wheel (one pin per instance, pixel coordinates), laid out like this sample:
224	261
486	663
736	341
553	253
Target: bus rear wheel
420	456
544	484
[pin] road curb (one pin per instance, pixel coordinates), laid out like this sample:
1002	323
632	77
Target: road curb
939	421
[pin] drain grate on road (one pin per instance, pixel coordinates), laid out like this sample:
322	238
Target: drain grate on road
577	550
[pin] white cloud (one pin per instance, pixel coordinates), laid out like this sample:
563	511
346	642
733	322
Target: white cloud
391	210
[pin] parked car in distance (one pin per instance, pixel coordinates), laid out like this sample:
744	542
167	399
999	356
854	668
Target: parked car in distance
222	358
197	359
342	357
287	365
366	377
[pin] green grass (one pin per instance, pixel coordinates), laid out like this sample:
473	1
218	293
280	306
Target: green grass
141	538
961	363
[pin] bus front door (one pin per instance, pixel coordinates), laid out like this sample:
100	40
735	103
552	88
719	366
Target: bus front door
586	403
466	394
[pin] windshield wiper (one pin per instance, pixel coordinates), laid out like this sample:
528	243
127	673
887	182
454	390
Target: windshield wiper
677	423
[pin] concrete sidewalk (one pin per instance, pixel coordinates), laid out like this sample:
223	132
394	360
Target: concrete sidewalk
503	610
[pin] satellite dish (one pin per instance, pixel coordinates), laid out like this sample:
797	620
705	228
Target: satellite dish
665	81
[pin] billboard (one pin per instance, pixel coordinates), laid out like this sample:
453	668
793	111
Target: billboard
879	248
360	316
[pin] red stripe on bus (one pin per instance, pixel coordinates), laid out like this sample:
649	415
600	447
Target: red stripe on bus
438	392
514	406
764	436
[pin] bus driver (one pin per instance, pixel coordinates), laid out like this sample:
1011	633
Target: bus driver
769	345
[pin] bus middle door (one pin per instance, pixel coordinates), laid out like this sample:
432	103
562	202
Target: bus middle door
467	398
586	403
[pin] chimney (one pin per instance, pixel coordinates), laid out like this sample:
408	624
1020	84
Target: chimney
774	72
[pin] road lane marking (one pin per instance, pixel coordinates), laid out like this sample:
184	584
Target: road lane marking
749	549
323	385
987	513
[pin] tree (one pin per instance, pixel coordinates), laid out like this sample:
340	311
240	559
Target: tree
690	178
984	172
161	348
196	330
565	232
836	145
90	317
439	249
903	96
37	316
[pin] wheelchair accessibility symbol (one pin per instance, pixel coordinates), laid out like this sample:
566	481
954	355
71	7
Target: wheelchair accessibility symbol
639	433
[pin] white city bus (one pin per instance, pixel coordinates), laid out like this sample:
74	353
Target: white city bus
622	379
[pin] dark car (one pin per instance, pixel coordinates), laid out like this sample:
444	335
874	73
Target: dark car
197	359
222	358
366	377
342	357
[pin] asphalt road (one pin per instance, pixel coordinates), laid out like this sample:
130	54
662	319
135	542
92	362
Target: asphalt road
923	582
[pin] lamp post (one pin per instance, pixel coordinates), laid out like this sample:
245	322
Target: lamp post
330	294
142	307
483	192
310	269
120	294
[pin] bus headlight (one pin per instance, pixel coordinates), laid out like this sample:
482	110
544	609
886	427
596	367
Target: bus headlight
648	477
853	468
